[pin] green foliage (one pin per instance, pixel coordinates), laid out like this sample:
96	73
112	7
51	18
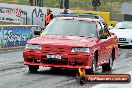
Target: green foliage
76	4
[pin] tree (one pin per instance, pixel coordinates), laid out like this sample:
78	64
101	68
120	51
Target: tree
36	3
31	2
61	3
64	4
39	3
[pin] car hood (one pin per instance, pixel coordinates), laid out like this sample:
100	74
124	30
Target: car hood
122	32
64	40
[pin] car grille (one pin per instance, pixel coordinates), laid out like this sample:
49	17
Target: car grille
123	42
33	60
122	39
55	49
63	61
52	61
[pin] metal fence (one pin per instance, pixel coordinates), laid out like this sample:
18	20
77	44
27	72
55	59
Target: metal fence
106	5
112	6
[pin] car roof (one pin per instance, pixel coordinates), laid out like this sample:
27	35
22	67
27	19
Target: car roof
124	21
78	15
78	18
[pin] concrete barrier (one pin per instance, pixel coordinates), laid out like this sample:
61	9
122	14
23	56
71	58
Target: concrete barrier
15	36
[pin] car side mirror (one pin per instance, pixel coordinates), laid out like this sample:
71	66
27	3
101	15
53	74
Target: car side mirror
110	27
103	36
37	32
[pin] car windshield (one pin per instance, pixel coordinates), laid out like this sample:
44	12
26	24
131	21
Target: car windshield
123	25
71	28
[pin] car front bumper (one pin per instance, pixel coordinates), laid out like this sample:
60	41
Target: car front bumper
68	60
126	42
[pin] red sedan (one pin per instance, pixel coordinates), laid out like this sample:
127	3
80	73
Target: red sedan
73	42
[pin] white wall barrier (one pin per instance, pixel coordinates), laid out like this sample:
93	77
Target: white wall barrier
14	36
13	12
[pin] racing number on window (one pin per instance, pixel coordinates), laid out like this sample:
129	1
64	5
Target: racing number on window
105	29
100	28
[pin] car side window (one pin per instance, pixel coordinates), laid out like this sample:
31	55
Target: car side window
103	26
100	28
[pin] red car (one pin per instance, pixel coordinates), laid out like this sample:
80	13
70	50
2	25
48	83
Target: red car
73	42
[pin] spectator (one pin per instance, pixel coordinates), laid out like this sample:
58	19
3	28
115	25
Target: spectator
95	4
49	16
65	11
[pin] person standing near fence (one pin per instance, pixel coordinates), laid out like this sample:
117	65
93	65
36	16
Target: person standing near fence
65	11
96	4
49	16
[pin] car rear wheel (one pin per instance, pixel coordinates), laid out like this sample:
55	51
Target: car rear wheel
54	69
108	66
81	80
33	68
94	66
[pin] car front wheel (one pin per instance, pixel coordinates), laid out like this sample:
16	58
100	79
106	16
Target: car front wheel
108	66
33	68
94	66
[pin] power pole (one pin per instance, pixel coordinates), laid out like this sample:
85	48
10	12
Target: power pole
110	6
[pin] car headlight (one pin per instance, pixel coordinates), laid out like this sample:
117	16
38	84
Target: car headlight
32	46
84	50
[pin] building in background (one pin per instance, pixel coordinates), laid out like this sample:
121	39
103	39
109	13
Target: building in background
126	9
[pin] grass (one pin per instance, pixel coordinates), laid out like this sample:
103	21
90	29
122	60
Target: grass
22	2
77	4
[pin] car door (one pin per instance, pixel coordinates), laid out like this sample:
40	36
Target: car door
107	42
103	43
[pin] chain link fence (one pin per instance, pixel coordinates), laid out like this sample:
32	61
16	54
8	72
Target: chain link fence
112	6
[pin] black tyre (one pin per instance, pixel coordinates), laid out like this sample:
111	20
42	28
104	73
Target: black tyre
94	66
108	66
119	46
54	68
81	80
33	68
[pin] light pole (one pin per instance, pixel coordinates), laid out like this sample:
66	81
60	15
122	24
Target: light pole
85	3
110	6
